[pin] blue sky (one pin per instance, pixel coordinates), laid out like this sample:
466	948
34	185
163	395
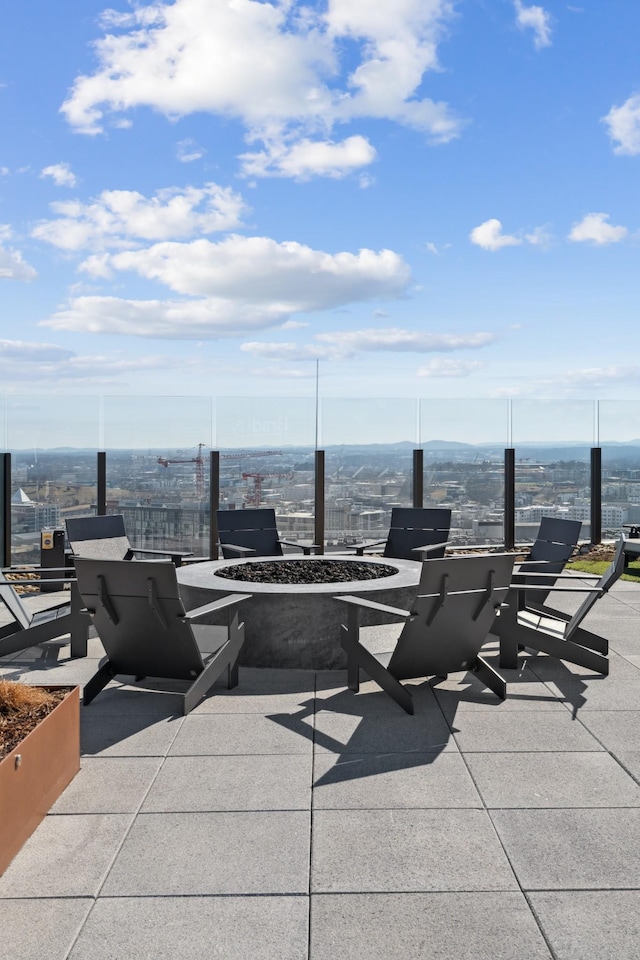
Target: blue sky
432	198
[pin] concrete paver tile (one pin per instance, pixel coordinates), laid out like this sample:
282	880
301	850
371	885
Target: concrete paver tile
274	782
195	928
572	849
398	780
391	926
407	850
191	854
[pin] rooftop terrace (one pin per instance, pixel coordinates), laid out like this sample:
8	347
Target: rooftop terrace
290	819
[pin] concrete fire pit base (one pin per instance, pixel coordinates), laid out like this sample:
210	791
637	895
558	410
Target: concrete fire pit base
298	625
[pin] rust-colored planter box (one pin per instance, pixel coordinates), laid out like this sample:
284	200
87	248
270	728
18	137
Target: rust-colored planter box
35	773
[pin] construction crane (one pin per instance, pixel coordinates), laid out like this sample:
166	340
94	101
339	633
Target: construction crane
254	496
199	462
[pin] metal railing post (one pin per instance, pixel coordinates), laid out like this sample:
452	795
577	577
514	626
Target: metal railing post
214	502
418	478
101	484
319	501
5	509
509	498
596	495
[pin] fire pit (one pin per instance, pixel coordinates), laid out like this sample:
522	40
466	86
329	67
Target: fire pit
292	619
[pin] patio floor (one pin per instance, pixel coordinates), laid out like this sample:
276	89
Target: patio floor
290	819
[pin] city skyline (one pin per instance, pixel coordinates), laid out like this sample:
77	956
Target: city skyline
418	198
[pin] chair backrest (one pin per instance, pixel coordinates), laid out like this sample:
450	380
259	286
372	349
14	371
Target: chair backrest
452	614
555	542
13	603
255	529
412	527
613	573
139	616
98	538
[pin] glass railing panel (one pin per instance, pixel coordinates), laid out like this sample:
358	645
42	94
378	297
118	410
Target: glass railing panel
3	423
464	442
53	443
267	459
368	447
619	422
158	469
552	440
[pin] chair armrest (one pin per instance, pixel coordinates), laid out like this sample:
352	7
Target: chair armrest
163	553
429	548
361	547
216	605
532	588
241	551
578	575
305	547
372	605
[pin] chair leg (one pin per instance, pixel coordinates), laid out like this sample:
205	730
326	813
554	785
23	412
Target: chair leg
505	626
490	677
360	656
98	682
80	623
225	658
571	652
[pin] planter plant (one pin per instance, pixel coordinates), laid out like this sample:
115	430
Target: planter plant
39	756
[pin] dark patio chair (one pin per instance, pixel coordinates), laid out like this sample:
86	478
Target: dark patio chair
105	538
553	632
253	533
415	533
146	631
552	549
444	630
28	629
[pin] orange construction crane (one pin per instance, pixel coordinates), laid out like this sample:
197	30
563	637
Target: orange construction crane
199	462
254	496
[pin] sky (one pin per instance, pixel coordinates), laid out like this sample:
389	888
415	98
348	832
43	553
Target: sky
410	198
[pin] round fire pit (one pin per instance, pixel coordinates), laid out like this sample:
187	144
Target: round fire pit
292	618
286	572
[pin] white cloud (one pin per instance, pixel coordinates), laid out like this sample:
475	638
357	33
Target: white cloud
577	383
241	284
540	237
307	158
289	276
397	340
624	126
204	319
20	350
188	150
61	174
12	264
489	236
345	345
594	229
120	218
445	367
537	19
288	70
47	362
593	377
